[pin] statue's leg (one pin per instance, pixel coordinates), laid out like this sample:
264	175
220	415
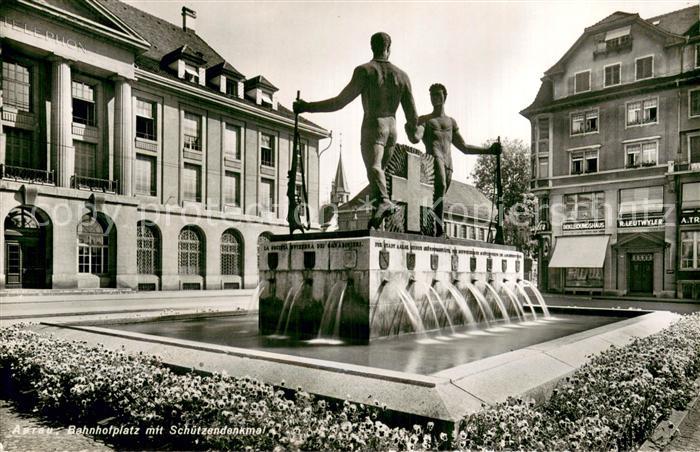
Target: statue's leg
439	190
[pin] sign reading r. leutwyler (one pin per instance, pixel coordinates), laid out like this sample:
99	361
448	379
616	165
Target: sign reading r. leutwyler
640	222
583	225
690	217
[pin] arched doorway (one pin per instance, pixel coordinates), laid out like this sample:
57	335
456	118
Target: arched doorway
27	248
97	248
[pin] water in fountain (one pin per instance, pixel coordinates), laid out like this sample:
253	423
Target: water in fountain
429	305
499	302
514	301
289	302
538	295
527	299
441	303
411	310
332	305
461	303
484	307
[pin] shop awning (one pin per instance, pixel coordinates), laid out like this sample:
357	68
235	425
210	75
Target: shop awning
585	251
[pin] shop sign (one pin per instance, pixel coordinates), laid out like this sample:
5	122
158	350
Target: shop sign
690	217
542	226
640	222
583	225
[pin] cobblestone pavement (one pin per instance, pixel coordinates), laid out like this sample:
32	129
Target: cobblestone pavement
25	432
688	438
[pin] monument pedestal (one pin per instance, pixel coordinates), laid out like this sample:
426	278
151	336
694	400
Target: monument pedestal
354	285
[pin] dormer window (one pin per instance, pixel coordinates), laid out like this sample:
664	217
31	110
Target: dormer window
266	99
231	87
261	91
191	73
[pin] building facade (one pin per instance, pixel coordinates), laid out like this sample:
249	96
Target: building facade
132	155
616	159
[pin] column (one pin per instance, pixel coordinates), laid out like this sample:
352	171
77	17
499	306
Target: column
62	150
123	137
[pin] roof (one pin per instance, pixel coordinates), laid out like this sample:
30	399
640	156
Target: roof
225	68
185	53
677	22
259	80
166	37
340	184
614	17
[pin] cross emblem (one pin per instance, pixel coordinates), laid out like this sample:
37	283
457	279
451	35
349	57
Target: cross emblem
412	192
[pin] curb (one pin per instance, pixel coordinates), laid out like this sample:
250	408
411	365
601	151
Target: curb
666	431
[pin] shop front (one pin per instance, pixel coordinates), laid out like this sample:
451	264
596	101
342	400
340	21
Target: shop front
579	260
688	281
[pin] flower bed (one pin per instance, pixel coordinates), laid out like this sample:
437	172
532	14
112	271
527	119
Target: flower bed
613	402
80	384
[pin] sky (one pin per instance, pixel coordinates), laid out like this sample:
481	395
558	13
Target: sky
490	56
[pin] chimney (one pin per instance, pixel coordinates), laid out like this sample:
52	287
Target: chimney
189	18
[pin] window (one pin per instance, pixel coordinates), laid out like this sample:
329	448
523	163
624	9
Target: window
642	112
642	200
584	277
644	68
543	168
16	86
641	154
543	135
147	250
267	150
192	132
584	206
231	256
83	104
191	73
145	177
582	82
18	147
691	194
231	87
93	247
694	149
267	195
584	122
232	142
145	119
266	99
612	75
694	102
190	255
191	183
690	250
584	161
697	55
232	189
299	194
85	157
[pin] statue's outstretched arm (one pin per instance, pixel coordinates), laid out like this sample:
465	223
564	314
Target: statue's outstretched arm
347	95
458	142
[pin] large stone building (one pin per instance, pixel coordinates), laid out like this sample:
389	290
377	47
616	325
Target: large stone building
616	159
132	155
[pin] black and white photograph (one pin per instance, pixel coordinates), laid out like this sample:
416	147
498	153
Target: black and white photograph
307	225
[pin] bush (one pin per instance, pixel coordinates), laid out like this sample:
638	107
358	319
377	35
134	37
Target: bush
82	384
613	402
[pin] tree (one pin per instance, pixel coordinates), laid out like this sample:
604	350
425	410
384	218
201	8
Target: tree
519	205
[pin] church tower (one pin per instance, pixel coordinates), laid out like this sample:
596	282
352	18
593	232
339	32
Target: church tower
339	187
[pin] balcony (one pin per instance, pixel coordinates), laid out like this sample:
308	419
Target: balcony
94	184
539	183
31	175
616	45
682	167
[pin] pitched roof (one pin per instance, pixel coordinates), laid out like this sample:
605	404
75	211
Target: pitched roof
166	37
340	184
614	17
225	68
677	22
260	80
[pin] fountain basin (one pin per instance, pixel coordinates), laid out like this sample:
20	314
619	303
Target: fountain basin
358	286
447	394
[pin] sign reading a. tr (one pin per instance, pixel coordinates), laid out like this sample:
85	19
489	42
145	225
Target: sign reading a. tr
690	217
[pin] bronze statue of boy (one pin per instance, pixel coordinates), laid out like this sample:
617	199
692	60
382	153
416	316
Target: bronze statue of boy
383	87
439	132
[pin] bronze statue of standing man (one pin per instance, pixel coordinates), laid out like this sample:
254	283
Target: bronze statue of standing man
383	87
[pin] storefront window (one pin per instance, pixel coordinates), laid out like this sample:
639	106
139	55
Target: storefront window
690	250
584	206
642	200
584	277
